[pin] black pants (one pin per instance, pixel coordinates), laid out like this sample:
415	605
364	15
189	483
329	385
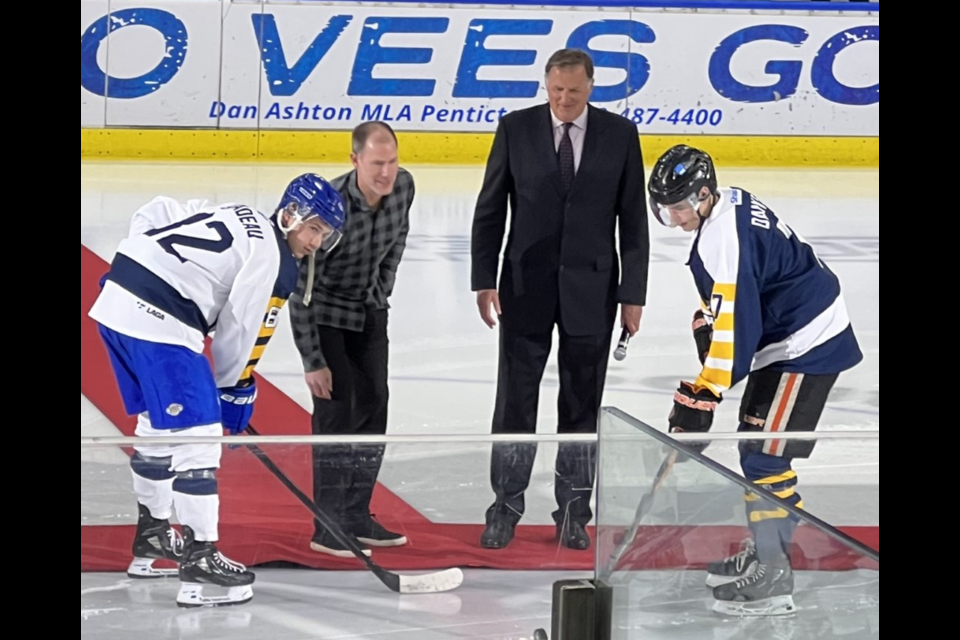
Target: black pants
344	475
583	369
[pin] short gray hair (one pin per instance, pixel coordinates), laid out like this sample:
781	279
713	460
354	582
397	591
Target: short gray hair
566	58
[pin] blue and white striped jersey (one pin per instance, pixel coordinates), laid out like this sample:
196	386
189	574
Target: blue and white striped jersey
188	270
773	303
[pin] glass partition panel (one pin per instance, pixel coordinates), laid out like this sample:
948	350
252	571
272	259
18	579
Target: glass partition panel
435	494
666	512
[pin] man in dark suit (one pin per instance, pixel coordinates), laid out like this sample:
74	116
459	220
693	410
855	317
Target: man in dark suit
571	173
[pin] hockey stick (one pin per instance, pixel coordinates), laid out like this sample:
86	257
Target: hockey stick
631	532
445	580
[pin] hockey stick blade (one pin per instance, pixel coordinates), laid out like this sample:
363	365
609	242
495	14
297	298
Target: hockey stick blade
445	580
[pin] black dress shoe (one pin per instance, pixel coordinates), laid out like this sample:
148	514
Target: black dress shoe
497	535
573	536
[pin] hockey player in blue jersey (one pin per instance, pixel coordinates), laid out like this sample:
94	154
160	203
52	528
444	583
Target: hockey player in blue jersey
771	312
186	271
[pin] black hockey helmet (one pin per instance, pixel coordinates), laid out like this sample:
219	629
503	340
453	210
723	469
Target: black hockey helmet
680	174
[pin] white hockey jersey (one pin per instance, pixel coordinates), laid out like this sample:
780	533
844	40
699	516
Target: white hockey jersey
189	270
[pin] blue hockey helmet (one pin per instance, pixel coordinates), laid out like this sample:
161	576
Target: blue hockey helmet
680	174
310	195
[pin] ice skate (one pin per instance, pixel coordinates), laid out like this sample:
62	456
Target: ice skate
208	578
736	567
768	591
155	540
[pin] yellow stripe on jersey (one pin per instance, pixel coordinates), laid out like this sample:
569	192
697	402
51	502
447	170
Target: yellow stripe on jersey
724	322
724	295
713	379
267	327
717	373
722	350
257	353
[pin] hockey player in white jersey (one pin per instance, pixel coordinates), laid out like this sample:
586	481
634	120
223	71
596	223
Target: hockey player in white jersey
187	271
772	312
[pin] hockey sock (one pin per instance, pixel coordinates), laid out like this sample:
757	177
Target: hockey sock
153	484
197	502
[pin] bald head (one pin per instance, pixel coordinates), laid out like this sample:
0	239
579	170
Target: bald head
374	132
375	159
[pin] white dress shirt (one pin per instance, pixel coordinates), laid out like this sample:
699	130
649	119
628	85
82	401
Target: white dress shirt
577	131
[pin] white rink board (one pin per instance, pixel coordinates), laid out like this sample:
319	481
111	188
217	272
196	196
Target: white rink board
330	67
92	105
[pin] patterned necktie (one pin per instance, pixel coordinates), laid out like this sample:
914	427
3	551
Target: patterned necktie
565	153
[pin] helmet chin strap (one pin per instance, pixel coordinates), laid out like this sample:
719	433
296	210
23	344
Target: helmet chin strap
711	199
311	274
311	270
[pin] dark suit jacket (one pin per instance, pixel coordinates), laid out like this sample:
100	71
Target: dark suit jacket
562	250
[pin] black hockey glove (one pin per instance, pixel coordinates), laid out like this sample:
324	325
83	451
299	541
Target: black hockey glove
693	410
702	335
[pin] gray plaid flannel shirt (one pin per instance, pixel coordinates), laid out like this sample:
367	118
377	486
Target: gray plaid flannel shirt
360	271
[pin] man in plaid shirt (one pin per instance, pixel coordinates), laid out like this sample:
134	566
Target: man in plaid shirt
339	314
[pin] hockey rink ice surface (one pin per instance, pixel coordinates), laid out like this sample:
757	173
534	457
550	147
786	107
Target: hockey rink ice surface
442	381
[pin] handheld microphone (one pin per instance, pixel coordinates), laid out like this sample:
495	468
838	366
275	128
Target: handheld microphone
621	351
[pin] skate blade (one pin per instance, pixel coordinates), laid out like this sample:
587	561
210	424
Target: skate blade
142	568
207	595
776	606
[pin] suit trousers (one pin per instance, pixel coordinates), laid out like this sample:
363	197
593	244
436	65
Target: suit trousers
583	366
344	475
